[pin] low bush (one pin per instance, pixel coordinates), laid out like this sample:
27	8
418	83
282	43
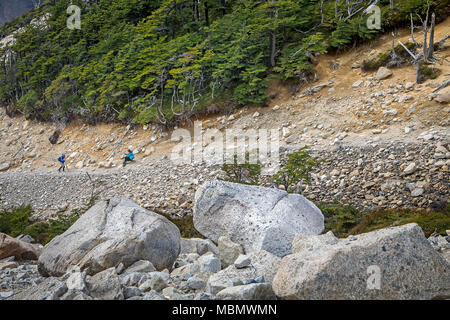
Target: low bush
430	222
345	220
297	169
242	172
17	221
44	232
186	226
374	64
14	221
340	218
427	72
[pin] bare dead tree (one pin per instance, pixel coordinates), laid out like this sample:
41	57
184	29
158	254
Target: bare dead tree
36	3
425	35
419	77
431	43
352	7
412	29
417	60
336	8
93	185
273	38
368	8
440	42
393	54
321	11
425	32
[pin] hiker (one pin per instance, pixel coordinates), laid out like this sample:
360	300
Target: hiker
62	160
129	156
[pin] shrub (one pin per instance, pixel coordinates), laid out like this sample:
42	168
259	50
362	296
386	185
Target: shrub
429	221
39	232
245	173
14	221
345	220
185	224
339	218
426	72
298	168
27	102
399	50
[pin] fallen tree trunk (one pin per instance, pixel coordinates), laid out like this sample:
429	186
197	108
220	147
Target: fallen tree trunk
442	86
407	50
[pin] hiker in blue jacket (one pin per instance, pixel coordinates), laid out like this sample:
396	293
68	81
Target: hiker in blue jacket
62	160
129	156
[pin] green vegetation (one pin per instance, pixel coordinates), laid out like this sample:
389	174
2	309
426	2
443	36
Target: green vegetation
343	220
427	72
185	224
429	221
387	58
165	60
242	171
44	232
340	218
346	220
13	222
16	221
298	168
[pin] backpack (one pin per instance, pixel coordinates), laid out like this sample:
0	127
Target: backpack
131	156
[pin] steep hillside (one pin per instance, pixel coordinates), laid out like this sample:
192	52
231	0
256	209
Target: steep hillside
165	61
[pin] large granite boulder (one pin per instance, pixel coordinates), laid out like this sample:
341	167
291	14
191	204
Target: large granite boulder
112	232
255	217
21	250
392	263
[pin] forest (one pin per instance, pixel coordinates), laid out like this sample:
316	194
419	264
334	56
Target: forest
163	61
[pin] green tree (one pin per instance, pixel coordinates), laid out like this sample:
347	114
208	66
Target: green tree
242	171
298	168
27	102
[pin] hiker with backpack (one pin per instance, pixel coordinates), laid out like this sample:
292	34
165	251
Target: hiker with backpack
129	156
62	160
